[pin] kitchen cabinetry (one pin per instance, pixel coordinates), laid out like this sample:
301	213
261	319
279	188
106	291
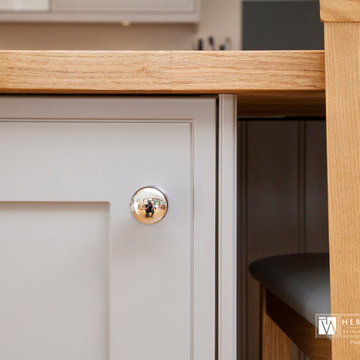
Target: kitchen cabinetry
261	83
149	11
80	278
267	83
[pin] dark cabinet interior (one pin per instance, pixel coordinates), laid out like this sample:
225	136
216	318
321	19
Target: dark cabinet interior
282	204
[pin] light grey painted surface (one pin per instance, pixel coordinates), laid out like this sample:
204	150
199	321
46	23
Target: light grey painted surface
80	278
227	227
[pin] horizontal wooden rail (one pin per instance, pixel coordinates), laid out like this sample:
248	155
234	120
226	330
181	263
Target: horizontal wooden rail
177	72
291	82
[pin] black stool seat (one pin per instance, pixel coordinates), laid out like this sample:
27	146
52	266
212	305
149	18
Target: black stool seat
300	280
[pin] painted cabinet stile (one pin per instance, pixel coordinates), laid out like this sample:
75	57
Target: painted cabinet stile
227	237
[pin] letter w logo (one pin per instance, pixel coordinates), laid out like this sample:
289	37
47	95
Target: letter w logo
327	325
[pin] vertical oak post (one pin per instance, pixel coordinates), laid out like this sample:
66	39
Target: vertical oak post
342	66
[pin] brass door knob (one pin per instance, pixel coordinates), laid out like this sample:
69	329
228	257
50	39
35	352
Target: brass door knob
149	205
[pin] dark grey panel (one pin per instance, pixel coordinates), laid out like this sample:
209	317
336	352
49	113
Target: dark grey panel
316	221
271	215
282	25
282	205
273	171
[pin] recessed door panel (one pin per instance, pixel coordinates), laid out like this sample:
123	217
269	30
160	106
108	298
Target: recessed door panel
104	285
54	265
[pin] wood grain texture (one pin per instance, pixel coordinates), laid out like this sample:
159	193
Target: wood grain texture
340	11
299	330
166	72
275	345
342	43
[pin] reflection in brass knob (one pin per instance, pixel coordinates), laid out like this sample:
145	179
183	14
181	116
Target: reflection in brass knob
148	205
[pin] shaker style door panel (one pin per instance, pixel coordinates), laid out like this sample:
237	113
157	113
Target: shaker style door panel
54	280
80	277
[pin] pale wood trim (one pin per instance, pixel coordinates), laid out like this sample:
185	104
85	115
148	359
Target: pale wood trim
342	44
284	83
275	345
340	11
227	227
165	72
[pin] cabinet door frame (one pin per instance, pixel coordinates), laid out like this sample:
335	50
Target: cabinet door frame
200	114
226	321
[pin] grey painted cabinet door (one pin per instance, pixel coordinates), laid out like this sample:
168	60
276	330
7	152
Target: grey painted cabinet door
80	278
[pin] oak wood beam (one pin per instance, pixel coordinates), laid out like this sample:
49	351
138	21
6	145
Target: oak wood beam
342	68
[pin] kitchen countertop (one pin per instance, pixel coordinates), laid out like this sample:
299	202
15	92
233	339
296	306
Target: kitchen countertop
267	82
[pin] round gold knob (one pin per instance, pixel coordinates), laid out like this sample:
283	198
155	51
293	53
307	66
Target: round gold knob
149	205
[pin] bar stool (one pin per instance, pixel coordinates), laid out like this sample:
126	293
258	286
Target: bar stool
293	289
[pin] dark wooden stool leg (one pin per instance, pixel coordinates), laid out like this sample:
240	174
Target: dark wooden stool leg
275	344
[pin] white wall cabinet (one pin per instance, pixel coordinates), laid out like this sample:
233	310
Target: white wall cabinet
24	5
143	11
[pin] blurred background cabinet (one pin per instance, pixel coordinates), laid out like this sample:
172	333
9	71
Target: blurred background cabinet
139	11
